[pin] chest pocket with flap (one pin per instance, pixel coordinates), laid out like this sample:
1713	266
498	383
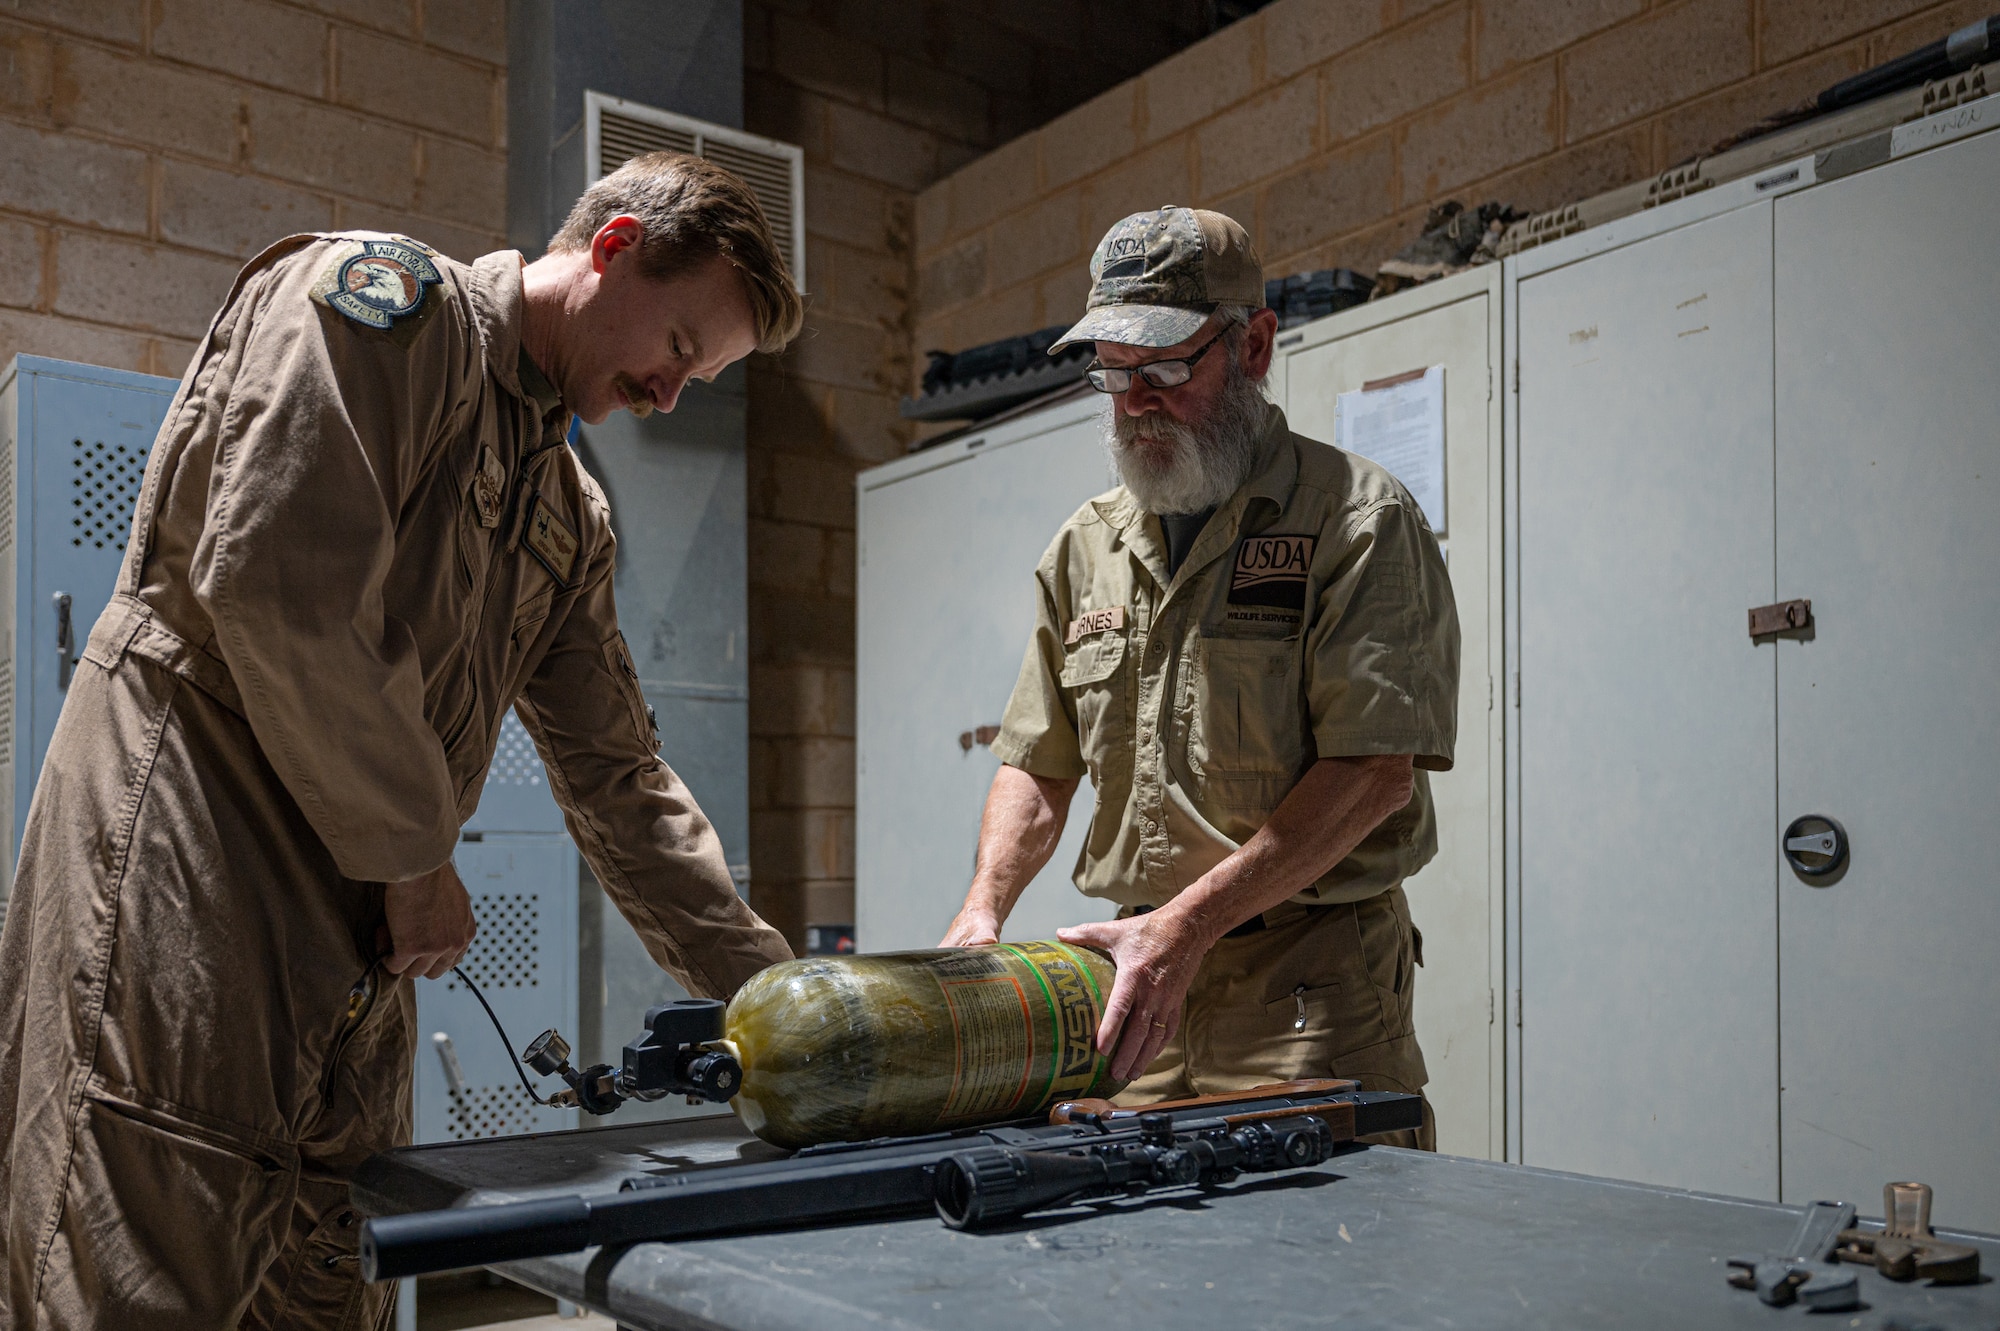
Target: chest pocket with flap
1253	715
1093	674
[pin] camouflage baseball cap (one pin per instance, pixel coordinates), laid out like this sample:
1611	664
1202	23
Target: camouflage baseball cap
1157	276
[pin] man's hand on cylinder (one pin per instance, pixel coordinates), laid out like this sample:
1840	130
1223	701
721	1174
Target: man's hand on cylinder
972	928
430	924
1157	955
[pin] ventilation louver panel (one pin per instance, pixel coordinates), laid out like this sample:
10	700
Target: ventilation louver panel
770	178
619	130
621	138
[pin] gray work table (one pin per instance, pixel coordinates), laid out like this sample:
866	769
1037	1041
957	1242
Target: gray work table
1377	1237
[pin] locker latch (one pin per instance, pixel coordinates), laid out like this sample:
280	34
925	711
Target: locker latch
65	641
454	1071
1784	617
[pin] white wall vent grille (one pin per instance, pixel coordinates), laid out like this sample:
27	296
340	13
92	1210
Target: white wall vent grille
617	131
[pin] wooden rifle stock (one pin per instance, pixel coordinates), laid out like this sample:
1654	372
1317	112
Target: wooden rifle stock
1104	1111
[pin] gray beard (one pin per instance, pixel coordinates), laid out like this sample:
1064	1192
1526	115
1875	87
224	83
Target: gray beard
1208	460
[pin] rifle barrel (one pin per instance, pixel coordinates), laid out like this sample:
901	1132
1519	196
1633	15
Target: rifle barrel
867	1179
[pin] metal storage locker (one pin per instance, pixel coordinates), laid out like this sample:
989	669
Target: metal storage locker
949	539
1647	913
1888	473
1773	389
1456	899
76	442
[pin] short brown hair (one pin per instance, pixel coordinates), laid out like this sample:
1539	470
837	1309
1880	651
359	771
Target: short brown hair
691	209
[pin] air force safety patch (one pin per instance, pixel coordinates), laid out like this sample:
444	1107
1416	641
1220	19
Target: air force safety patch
1271	571
382	283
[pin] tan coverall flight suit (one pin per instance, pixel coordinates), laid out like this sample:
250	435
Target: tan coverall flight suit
355	548
1311	619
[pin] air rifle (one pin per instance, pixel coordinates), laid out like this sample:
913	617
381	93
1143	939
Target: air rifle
973	1177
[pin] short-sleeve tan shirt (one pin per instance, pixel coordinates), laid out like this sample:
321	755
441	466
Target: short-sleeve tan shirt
1313	618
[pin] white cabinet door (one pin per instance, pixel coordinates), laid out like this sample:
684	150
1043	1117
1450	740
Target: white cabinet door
1888	336
947	580
1648	901
1455	899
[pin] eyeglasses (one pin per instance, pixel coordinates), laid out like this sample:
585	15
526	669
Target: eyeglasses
1158	373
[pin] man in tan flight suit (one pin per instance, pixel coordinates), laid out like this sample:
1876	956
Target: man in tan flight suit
1251	649
361	539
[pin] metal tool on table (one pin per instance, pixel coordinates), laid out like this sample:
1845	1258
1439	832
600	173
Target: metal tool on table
1805	1271
1905	1248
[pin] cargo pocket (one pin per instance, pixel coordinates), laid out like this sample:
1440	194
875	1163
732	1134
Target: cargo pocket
457	699
618	660
1253	721
1094	675
529	619
139	1179
1295	1031
320	1274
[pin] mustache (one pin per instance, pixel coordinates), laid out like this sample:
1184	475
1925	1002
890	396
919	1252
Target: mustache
637	400
1173	466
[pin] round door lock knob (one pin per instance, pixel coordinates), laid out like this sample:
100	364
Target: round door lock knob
1815	846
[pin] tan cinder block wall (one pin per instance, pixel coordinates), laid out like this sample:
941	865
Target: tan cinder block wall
886	97
149	147
1327	127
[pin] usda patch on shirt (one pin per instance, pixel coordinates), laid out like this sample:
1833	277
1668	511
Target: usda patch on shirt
1269	580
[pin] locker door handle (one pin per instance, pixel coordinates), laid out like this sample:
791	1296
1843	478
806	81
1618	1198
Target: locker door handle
65	641
1815	846
454	1071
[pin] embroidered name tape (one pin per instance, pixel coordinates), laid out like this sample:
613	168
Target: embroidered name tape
1272	570
382	283
550	539
1094	621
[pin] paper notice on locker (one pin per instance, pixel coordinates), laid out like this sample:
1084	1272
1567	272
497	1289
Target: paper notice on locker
1399	423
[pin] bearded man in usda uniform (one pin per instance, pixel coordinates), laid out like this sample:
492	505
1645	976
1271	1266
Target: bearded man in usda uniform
1251	649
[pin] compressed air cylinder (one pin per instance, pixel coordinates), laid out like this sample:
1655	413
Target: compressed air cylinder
848	1048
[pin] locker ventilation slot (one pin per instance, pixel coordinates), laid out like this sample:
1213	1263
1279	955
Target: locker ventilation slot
491	1111
504	953
106	481
6	507
6	710
515	762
